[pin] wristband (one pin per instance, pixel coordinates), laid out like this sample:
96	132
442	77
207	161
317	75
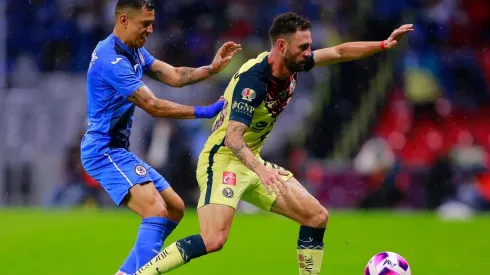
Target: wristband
383	45
199	112
208	111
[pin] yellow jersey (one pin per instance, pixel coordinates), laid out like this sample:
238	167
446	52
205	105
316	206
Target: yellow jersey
254	97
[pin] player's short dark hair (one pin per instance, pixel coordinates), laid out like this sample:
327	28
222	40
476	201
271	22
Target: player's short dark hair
288	23
134	4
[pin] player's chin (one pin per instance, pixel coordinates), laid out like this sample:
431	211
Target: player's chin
141	42
298	68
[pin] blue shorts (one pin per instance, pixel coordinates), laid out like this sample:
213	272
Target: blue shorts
119	170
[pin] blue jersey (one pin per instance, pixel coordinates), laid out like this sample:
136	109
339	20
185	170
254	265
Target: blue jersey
115	72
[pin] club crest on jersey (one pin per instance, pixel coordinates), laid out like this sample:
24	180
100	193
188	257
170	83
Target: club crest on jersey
228	193
229	178
140	170
248	94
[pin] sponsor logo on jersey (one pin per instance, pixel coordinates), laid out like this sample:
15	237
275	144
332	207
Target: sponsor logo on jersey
141	57
116	61
221	117
248	94
243	107
229	178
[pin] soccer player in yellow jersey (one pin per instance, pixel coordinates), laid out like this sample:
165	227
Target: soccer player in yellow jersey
230	167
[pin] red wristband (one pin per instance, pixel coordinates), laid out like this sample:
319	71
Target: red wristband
383	45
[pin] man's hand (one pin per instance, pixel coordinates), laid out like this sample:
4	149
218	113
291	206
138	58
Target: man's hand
396	35
224	55
272	180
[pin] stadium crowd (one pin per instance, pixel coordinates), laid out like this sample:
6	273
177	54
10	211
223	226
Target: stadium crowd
428	145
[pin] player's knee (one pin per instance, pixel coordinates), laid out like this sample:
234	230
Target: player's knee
215	242
318	217
155	208
176	209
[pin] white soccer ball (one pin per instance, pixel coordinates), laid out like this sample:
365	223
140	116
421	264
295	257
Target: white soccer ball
387	263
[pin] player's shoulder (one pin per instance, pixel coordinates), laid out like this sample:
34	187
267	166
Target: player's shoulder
106	55
254	69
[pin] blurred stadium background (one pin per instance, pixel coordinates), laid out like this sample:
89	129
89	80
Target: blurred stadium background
405	132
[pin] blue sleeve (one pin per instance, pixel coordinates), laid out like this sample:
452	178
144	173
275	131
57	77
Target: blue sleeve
122	78
248	94
148	58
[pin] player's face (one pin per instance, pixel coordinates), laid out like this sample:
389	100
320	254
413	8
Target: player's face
298	51
140	26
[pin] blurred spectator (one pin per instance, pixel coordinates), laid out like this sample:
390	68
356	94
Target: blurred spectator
385	184
78	188
439	98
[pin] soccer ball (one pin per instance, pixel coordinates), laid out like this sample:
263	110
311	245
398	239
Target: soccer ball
387	263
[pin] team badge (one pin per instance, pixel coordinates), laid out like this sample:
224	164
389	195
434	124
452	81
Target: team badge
292	86
248	94
140	170
228	193
229	178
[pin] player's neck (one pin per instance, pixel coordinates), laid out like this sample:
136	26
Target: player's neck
278	67
119	34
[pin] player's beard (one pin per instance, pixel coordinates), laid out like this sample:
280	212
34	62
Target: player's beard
292	65
140	41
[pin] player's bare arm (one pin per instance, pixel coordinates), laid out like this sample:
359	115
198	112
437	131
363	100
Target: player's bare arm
182	76
357	50
269	177
156	107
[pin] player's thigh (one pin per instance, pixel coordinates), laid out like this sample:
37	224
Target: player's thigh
127	180
257	194
223	183
299	205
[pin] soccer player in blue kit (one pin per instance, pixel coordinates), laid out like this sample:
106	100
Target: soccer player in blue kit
115	89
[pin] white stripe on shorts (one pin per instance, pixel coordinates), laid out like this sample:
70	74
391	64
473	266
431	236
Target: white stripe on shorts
117	167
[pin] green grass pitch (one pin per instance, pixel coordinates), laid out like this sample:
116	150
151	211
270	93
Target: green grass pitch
89	242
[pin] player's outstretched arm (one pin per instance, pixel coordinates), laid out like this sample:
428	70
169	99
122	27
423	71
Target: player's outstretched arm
269	177
146	100
182	76
357	50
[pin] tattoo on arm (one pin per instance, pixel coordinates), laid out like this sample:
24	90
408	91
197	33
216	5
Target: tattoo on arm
234	141
146	100
193	75
155	74
178	76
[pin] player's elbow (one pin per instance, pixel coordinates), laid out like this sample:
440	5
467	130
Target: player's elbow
230	141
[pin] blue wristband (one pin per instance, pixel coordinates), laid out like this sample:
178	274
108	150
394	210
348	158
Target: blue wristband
208	111
199	112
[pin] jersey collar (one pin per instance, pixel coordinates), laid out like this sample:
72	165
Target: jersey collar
121	44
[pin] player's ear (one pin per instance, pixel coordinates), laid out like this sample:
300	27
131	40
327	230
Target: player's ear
282	45
123	19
